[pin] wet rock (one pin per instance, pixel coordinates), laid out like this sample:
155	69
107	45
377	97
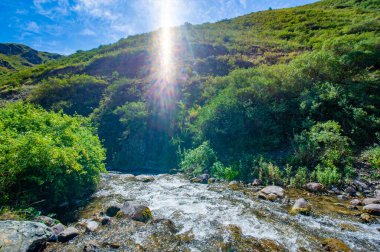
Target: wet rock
186	237
145	178
211	180
335	190
314	187
270	192
301	206
355	202
105	220
46	220
234	232
68	234
113	245
368	201
91	246
23	236
57	229
91	226
359	185
335	245
373	209
135	212
270	245
350	191
168	223
201	178
377	194
233	185
342	197
257	182
112	210
366	218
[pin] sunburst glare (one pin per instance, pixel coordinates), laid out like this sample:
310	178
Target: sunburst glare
166	40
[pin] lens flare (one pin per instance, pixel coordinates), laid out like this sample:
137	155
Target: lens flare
166	40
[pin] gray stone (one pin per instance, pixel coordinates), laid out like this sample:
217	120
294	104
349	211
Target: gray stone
135	212
68	234
373	209
256	182
301	206
276	190
355	202
46	220
23	236
145	178
91	226
57	229
377	194
368	201
314	187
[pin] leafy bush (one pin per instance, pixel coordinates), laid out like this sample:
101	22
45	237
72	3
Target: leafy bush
300	178
220	171
327	176
46	157
267	172
198	160
323	144
372	156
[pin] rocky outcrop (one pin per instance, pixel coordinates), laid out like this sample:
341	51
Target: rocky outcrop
68	234
23	236
314	187
57	229
368	201
135	212
201	178
301	206
145	178
271	193
335	245
373	209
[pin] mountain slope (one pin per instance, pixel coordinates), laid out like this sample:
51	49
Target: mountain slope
14	57
284	95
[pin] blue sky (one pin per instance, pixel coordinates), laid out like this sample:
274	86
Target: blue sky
64	26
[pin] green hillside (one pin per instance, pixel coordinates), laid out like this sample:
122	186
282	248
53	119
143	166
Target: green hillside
14	57
287	95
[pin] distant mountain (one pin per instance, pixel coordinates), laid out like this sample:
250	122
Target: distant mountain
14	57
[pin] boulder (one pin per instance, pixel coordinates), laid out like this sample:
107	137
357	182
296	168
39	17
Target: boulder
233	185
342	197
373	209
211	180
135	212
366	218
335	245
91	246
201	178
112	210
301	206
145	178
355	202
23	236
269	191
91	226
46	220
314	187
377	194
257	182
368	201
68	234
57	229
360	185
350	191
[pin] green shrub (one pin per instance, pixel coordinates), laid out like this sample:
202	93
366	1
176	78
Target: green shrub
198	160
220	171
267	172
323	144
46	157
372	157
327	176
300	178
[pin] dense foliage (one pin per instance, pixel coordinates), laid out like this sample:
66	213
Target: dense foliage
287	96
46	157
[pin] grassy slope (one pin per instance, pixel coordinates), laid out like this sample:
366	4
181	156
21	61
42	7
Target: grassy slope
267	37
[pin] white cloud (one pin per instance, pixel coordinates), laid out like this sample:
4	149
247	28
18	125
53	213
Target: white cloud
88	32
33	27
52	9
